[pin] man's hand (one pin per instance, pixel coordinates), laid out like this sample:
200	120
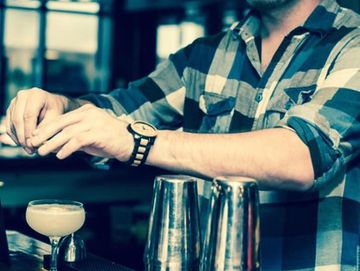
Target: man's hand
89	129
27	110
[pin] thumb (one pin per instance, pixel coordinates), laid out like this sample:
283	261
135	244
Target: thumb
48	116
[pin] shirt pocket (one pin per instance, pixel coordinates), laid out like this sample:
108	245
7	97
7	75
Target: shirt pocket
283	101
218	110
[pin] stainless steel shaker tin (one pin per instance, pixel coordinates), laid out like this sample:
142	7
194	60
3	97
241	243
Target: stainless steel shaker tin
173	241
232	236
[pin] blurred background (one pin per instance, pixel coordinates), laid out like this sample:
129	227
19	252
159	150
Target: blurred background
76	47
80	47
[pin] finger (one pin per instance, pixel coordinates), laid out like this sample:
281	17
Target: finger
53	118
56	142
75	144
31	116
47	130
6	139
9	128
13	138
47	117
17	118
10	131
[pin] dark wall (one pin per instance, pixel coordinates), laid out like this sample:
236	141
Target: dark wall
353	4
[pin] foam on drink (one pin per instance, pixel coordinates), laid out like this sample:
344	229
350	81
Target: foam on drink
55	219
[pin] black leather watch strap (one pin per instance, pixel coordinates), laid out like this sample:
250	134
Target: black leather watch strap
140	152
142	142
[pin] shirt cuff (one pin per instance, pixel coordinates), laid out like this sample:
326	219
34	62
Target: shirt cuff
325	159
97	99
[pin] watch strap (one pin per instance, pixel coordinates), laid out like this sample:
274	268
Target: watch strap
141	149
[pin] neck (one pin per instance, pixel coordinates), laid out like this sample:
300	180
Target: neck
282	20
276	23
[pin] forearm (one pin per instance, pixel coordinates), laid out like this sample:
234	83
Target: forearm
277	158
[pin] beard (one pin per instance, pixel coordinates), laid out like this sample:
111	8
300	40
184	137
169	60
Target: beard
266	5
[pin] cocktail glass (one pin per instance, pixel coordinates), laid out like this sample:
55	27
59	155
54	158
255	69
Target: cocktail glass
55	219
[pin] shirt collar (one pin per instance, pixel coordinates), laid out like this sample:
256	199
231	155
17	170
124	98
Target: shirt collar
320	21
249	26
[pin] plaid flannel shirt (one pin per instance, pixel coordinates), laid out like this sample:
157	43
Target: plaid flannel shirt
312	86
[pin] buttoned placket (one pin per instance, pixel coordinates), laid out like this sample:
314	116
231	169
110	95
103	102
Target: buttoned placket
272	78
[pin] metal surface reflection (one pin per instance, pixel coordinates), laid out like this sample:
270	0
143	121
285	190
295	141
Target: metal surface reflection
232	236
173	241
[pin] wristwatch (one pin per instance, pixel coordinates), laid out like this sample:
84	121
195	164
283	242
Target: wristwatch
144	137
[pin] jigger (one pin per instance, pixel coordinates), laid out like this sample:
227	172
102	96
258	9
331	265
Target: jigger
173	241
72	249
232	239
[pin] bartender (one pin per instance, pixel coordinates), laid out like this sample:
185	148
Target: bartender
275	98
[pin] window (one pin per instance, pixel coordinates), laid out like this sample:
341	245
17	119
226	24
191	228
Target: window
20	42
61	46
173	35
71	46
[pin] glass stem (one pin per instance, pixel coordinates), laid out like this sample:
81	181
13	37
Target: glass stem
54	241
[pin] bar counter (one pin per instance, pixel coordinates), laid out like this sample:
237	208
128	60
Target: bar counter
116	201
27	254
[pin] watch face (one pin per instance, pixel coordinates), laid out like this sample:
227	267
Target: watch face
143	128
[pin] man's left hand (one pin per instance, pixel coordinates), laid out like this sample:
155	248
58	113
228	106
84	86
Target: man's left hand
89	129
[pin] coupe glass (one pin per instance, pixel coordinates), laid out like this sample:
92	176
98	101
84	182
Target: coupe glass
55	219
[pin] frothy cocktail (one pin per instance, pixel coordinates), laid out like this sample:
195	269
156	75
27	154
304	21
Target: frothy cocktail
54	219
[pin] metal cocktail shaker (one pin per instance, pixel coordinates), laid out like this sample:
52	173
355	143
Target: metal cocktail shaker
232	236
173	241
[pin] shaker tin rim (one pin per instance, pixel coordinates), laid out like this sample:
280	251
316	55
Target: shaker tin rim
233	181
176	178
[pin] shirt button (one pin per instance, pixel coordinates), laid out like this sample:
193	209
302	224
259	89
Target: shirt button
258	97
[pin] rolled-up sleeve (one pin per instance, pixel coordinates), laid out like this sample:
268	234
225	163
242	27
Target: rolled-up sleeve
157	98
329	124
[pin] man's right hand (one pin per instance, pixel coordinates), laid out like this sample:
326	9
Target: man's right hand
30	108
